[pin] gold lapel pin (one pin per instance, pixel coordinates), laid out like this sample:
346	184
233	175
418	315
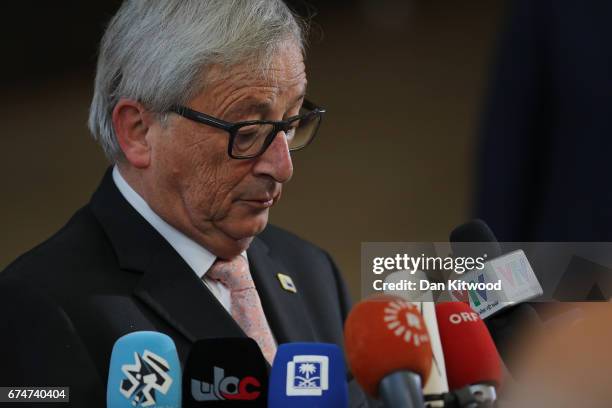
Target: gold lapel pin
286	282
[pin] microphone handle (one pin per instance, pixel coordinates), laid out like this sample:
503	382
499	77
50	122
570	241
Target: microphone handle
471	396
401	389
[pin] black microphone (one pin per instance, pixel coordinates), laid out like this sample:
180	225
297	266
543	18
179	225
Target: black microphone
475	230
503	320
225	372
513	270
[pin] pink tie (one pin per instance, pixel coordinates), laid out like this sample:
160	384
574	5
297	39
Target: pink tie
246	307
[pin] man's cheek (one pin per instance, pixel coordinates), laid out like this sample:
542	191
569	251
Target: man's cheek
214	198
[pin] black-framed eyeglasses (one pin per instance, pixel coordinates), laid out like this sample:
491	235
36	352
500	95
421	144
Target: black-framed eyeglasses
251	138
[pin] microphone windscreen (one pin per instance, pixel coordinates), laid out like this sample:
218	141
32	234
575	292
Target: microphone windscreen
383	335
144	372
225	372
474	231
470	355
308	375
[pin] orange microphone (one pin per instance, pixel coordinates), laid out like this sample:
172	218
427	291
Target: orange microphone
389	350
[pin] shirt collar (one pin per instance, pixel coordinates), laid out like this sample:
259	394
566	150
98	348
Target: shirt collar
196	256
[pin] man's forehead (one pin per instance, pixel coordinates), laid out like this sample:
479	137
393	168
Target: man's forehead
282	74
280	68
244	87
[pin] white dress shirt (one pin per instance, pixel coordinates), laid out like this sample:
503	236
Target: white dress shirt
196	256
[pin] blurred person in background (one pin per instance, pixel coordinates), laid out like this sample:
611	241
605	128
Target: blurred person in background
545	137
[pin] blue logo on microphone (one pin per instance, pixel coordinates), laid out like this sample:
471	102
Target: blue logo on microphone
148	374
307	375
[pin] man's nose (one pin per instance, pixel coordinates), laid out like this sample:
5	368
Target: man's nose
276	160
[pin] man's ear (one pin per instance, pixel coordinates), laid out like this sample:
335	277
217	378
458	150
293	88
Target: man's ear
131	122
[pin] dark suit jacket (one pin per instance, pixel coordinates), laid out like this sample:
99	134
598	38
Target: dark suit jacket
108	273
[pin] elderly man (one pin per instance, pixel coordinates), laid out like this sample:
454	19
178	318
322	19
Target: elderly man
198	105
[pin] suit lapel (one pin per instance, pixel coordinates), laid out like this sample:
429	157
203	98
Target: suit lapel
284	310
168	285
175	293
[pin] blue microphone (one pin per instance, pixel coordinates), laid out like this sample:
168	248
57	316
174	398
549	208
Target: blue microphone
144	372
308	375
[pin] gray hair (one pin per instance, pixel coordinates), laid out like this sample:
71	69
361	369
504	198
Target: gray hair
157	52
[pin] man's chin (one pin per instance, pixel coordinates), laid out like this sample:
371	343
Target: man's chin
251	231
248	224
243	244
245	231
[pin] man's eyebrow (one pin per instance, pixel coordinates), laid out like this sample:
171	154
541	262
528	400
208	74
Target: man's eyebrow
250	106
246	107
